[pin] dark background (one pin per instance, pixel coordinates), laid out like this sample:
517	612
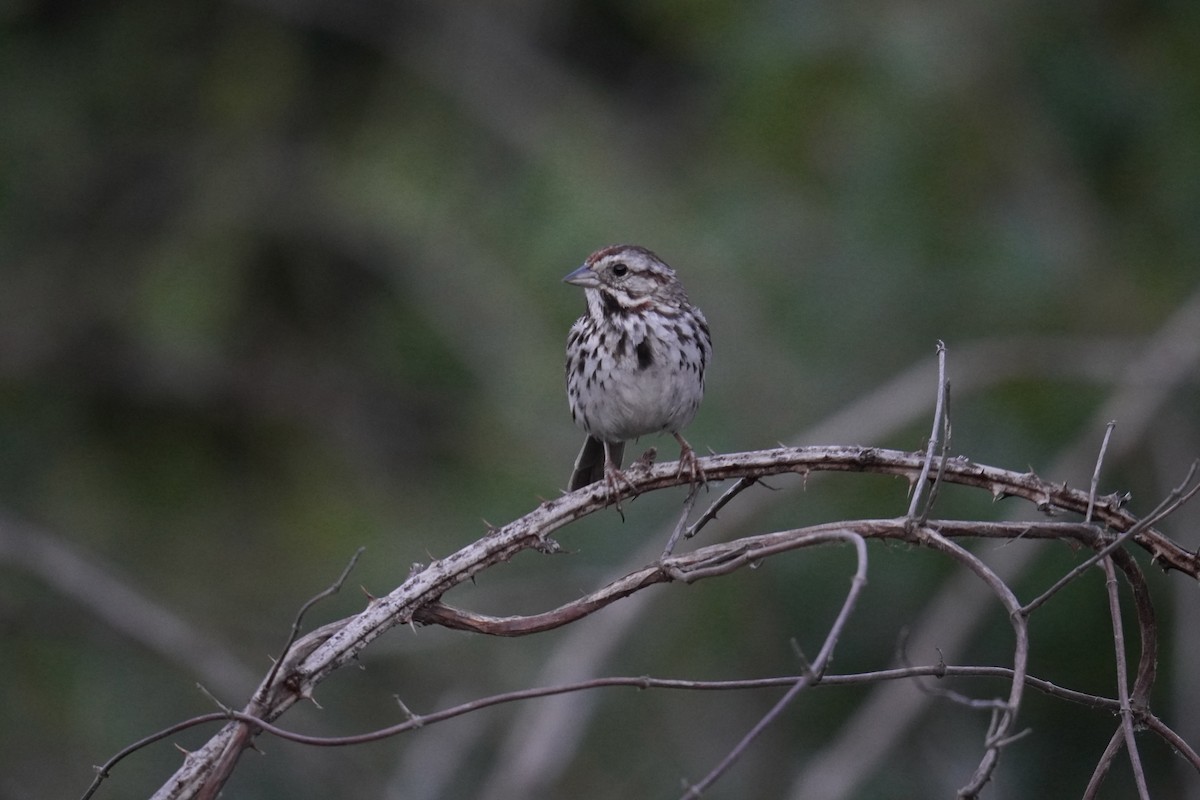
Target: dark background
279	280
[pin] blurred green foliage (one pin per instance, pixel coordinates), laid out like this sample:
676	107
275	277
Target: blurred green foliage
280	279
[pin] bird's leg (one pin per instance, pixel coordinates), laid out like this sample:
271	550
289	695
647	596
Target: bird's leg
688	463
614	478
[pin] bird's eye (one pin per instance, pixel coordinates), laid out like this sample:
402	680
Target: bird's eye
619	269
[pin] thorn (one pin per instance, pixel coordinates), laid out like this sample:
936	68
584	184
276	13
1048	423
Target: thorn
306	694
372	599
181	749
805	664
204	690
412	717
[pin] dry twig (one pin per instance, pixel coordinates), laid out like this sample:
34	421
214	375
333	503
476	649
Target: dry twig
313	657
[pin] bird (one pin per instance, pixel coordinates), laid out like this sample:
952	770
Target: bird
636	361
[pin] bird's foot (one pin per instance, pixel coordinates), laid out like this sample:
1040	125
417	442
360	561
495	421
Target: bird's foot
616	482
689	465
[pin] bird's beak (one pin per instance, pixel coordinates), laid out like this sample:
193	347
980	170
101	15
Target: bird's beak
583	277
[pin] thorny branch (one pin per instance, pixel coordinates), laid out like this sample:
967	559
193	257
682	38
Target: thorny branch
939	416
416	721
313	657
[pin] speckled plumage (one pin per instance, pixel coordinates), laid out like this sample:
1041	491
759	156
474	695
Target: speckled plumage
635	359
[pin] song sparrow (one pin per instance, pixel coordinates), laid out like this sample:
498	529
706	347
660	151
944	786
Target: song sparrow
635	360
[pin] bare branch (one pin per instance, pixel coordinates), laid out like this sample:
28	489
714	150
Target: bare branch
1114	610
688	504
711	512
415	721
1153	372
1001	732
1178	496
1108	429
934	436
314	656
331	590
